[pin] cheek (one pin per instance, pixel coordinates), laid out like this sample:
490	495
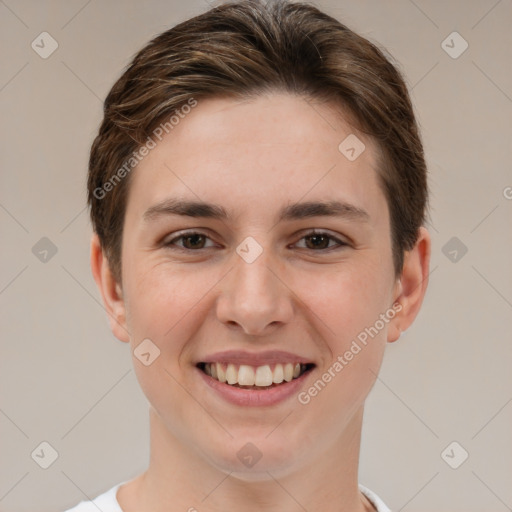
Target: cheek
351	304
169	306
164	305
161	298
344	301
348	306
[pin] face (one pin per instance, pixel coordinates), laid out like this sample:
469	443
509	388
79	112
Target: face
287	274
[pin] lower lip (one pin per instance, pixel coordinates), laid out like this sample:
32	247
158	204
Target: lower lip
252	397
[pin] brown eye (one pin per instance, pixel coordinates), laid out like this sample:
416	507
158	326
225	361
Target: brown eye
189	241
195	241
320	241
317	241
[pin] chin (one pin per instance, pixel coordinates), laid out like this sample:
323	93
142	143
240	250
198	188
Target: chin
251	459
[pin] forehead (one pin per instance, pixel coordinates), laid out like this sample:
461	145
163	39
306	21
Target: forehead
271	149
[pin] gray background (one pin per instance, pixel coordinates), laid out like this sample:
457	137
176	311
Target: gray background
66	380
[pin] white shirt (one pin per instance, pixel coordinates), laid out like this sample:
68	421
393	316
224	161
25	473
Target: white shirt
107	502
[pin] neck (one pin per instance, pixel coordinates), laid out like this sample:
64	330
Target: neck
180	479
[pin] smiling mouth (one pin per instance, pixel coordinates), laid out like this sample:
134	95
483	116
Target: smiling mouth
255	377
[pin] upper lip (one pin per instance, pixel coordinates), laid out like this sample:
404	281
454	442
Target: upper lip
255	358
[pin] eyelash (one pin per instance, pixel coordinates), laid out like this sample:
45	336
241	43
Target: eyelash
183	235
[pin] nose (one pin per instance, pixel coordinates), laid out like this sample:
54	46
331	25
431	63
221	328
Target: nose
254	296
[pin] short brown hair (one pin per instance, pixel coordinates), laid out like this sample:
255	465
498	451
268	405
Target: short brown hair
246	48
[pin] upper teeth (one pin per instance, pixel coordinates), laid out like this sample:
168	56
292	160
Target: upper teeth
246	375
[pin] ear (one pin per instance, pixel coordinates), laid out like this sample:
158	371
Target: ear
110	290
411	287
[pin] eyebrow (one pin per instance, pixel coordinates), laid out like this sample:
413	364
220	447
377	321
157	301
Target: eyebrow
295	211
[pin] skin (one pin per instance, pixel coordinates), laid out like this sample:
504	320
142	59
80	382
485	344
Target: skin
254	157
